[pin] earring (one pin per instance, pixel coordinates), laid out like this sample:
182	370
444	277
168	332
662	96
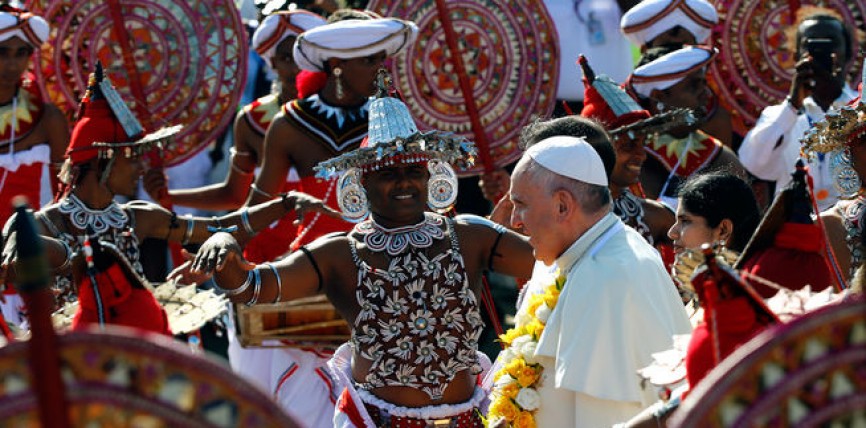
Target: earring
442	186
660	106
339	88
845	178
351	196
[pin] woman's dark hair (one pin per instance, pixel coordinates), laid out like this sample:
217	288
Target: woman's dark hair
717	196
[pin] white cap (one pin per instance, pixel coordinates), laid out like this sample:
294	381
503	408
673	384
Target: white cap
650	18
276	27
352	38
670	69
28	27
569	157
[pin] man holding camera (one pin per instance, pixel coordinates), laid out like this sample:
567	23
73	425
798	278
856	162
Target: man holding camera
769	151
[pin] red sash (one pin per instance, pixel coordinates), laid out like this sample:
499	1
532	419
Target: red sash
121	304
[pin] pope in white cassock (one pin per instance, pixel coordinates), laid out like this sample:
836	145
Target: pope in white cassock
618	305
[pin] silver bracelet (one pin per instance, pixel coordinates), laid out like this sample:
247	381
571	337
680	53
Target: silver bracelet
256	189
68	260
219	227
190	225
235	291
257	289
245	219
279	282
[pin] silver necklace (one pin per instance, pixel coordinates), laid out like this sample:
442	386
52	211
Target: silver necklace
395	241
99	221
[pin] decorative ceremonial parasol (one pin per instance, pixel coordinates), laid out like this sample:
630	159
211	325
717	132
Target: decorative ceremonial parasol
508	56
806	373
121	377
756	58
175	62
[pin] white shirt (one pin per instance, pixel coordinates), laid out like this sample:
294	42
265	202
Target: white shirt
612	56
771	149
617	308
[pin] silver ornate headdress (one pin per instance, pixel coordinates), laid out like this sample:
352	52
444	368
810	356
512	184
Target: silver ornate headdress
393	138
835	136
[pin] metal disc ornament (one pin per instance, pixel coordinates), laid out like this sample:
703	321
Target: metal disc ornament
121	377
806	373
187	59
509	50
756	42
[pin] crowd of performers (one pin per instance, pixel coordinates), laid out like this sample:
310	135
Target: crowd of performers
333	190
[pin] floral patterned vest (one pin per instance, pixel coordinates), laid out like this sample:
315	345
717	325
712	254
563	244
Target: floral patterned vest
419	321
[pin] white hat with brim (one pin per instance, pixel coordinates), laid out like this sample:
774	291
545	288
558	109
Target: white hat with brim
352	38
670	69
31	28
650	18
570	157
278	26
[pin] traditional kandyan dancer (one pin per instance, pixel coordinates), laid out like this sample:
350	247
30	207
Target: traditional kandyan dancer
676	79
628	124
654	23
33	133
407	280
104	159
350	50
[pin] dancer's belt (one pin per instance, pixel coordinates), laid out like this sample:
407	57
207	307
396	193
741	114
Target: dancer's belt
468	419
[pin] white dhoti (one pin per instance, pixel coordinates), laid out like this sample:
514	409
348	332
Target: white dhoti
297	379
12	306
351	410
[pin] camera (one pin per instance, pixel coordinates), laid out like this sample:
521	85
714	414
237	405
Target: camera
821	51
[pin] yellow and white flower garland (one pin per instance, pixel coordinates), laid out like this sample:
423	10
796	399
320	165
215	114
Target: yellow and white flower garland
515	398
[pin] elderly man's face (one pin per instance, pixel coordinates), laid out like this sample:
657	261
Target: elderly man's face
534	210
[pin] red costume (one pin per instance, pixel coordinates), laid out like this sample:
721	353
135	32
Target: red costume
733	314
276	240
788	247
793	261
21	172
